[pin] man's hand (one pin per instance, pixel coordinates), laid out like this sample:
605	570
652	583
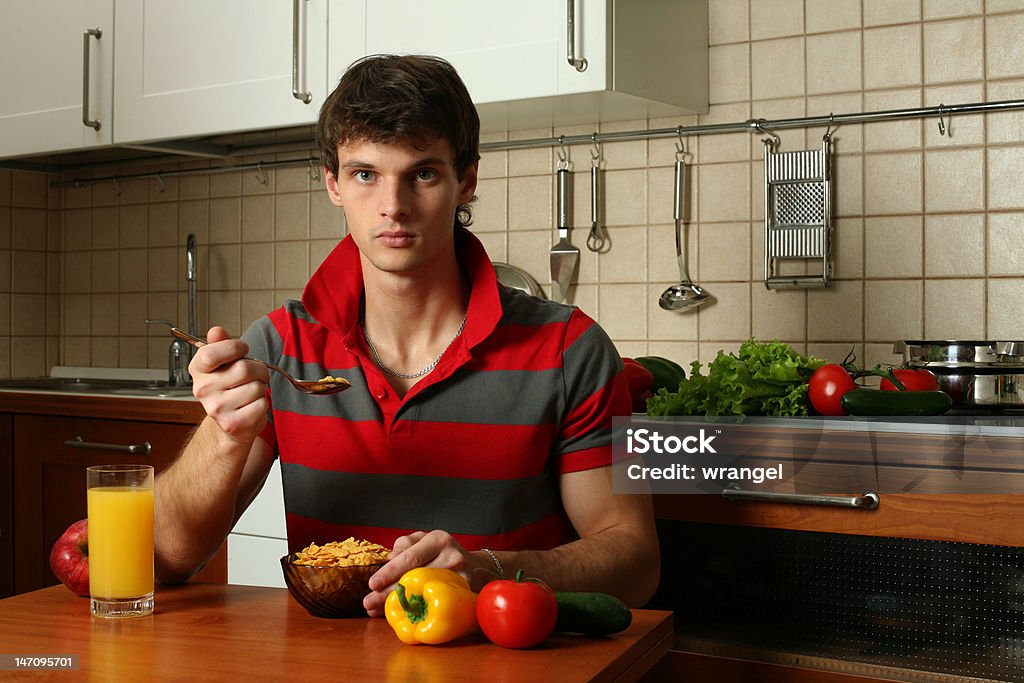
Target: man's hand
421	549
232	391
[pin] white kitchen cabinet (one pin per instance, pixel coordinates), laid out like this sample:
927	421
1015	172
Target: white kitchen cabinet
43	75
193	68
258	540
256	561
643	57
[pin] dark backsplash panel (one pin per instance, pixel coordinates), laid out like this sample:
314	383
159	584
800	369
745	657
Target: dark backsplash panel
930	606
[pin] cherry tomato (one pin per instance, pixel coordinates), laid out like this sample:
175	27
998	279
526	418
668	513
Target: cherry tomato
517	614
826	388
912	379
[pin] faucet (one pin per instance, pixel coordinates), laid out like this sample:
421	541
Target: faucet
191	279
180	354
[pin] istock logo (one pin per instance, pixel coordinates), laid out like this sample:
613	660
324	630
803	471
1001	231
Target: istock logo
641	441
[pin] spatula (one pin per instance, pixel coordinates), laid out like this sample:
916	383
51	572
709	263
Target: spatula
564	256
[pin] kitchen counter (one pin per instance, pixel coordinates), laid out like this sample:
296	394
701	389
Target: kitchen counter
952	455
215	632
184	410
957	423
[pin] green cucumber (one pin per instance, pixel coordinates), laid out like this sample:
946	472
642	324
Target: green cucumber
905	403
594	614
667	373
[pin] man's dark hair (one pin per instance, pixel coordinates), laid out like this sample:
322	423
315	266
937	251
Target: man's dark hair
392	98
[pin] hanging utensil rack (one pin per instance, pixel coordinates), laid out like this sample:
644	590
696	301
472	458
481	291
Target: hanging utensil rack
942	112
758	126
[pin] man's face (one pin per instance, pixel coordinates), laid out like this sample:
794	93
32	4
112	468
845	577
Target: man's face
400	201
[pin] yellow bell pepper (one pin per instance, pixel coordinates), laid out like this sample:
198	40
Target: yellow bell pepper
431	606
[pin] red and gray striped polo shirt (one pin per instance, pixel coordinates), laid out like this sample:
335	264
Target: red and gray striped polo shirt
475	448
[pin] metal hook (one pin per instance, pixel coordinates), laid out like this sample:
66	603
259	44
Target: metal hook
828	129
117	187
595	153
314	172
942	124
160	185
681	145
261	174
759	127
563	158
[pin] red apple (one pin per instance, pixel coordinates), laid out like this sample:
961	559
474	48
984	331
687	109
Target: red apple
69	558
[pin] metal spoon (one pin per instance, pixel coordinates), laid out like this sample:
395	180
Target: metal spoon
318	387
685	295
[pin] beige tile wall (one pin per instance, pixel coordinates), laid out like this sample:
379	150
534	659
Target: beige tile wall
929	228
29	274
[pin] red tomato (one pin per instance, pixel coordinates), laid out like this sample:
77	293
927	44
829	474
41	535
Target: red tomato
913	380
826	388
517	614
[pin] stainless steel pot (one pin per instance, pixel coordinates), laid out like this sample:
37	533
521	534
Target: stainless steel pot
974	373
517	278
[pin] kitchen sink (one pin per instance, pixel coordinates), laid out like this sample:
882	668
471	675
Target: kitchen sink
107	387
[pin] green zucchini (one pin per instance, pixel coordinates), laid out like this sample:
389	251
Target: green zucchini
595	614
906	403
667	373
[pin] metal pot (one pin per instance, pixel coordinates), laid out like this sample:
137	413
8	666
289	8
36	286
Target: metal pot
974	373
517	278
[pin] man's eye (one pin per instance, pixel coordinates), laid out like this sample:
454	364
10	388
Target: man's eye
425	174
364	176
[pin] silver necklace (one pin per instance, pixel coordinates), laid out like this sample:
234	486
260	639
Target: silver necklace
409	375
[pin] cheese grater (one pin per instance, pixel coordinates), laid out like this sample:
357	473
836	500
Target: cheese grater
798	225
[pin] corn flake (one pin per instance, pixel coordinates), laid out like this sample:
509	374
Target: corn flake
347	553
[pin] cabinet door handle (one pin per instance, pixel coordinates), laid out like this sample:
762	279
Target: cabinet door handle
580	63
90	32
867	501
303	96
135	449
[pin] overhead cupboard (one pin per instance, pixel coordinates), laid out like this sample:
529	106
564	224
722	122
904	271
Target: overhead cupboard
56	76
155	71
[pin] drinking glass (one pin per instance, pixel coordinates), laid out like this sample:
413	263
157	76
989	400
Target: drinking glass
120	499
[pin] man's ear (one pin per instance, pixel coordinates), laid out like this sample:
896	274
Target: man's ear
331	181
467	186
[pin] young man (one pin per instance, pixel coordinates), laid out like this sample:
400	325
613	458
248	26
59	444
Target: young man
477	432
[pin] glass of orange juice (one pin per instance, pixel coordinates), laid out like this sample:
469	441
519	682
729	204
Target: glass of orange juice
120	500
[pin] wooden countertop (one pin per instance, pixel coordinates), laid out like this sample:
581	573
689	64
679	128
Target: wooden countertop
218	632
186	411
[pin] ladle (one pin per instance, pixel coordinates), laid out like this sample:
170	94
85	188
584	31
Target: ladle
321	387
686	295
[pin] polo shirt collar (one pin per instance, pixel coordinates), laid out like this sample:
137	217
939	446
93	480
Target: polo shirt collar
334	292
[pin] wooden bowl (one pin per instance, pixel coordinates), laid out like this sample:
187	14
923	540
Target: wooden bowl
330	592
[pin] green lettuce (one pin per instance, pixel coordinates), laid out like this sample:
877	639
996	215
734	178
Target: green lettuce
765	378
